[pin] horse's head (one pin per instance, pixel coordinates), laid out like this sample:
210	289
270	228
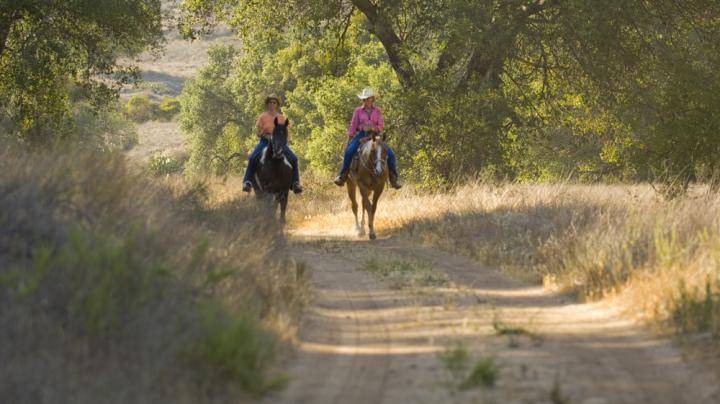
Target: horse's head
279	138
378	155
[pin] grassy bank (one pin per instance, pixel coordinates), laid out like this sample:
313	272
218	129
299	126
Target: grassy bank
118	288
662	258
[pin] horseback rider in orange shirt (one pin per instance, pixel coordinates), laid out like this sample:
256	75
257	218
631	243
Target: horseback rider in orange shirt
265	125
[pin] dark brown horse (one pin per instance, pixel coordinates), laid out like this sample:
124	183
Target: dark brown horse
369	173
273	172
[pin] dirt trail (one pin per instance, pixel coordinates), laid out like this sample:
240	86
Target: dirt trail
362	342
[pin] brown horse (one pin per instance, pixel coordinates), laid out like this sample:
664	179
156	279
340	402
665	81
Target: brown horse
369	172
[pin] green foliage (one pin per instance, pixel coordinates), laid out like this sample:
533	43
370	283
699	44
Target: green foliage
109	280
235	348
484	374
140	108
698	310
168	108
105	129
162	165
100	257
534	90
51	49
455	359
114	283
212	113
401	273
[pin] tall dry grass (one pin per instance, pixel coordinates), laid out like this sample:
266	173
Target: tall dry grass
118	288
662	258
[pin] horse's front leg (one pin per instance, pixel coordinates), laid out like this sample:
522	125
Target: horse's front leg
371	212
351	188
283	201
367	207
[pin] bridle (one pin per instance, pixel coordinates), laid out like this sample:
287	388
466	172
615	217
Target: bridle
381	161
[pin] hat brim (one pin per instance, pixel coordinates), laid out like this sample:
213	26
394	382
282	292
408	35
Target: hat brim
365	97
277	99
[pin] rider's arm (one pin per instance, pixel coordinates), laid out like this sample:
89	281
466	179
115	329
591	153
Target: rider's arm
258	126
380	121
354	124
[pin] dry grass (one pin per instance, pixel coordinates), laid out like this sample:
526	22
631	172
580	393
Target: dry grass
662	259
149	289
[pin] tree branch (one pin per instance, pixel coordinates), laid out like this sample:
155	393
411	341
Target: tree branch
346	26
6	25
381	27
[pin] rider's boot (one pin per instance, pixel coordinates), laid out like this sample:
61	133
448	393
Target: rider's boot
296	188
340	179
247	186
394	181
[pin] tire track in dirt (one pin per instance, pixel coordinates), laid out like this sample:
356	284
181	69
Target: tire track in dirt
334	366
362	342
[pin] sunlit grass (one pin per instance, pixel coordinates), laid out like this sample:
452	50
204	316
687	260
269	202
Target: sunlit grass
660	258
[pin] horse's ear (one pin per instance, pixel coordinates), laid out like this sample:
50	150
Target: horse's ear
276	121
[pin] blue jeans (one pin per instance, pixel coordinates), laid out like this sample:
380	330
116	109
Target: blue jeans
250	171
353	148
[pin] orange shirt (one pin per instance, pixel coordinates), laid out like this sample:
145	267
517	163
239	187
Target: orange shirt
266	122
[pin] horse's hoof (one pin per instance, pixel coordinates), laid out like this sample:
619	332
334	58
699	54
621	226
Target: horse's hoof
372	236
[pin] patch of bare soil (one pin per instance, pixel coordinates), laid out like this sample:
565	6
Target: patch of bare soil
165	74
369	339
157	138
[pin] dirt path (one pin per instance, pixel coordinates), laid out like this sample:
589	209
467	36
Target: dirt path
364	342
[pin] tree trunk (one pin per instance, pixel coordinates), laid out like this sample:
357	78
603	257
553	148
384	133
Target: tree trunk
381	27
7	22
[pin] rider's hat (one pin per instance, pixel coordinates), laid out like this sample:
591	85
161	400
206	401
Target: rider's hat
273	97
367	92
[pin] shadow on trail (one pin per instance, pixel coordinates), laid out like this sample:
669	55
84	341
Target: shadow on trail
365	342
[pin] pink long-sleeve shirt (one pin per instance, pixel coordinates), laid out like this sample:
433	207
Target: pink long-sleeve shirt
361	117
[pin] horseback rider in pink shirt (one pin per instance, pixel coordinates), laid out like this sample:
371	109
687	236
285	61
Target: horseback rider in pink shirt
366	118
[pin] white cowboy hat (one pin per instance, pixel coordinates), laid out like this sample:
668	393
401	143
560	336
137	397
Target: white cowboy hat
366	93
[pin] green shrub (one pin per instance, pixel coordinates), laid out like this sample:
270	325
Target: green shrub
110	277
101	265
455	360
140	109
483	374
107	129
401	273
697	310
168	108
161	165
235	348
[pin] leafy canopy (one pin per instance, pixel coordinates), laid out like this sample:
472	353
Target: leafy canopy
56	52
533	88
